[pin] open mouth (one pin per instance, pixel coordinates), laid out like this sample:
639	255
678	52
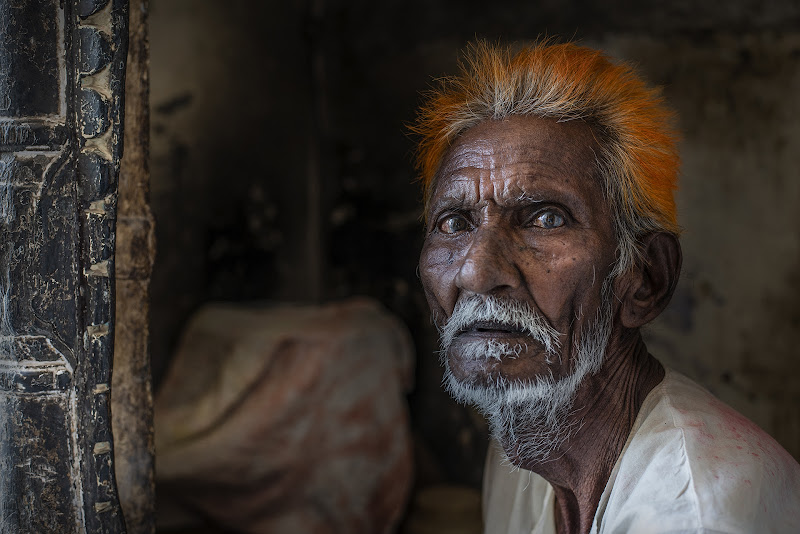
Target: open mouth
493	328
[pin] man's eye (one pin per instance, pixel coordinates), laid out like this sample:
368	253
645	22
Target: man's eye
549	219
453	224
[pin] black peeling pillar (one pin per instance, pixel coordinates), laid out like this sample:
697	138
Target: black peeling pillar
62	68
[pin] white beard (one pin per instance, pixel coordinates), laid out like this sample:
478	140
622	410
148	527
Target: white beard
530	418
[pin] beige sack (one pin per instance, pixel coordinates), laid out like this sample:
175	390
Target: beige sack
289	419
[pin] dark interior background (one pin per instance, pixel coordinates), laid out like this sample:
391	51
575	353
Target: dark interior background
282	171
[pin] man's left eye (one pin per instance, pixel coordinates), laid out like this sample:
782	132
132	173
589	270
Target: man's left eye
548	219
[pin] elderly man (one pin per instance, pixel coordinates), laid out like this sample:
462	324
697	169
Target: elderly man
551	240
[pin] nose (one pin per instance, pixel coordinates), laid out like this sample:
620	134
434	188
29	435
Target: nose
488	267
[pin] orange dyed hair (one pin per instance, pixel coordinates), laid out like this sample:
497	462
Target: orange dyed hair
638	159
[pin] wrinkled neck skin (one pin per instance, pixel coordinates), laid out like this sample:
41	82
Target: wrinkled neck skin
605	409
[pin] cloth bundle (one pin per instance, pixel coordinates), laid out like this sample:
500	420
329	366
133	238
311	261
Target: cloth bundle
289	418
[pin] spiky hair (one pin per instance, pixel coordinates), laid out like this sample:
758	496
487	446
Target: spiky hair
637	159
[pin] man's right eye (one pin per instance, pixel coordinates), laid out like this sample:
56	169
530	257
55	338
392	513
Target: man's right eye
453	224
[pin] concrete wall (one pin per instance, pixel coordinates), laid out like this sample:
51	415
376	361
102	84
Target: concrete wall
734	321
281	170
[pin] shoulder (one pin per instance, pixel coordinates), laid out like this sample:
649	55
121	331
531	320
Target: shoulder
694	464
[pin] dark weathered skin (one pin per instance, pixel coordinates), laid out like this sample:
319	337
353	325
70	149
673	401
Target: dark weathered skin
489	232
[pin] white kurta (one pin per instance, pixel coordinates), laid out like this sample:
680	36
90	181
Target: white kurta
691	464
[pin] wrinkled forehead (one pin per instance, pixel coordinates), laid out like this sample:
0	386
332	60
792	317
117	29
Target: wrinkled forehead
517	155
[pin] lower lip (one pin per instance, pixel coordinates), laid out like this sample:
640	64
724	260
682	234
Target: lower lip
529	345
464	366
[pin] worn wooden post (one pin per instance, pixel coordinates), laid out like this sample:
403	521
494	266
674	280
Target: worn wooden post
132	401
62	68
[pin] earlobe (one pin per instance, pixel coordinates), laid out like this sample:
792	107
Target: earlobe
649	285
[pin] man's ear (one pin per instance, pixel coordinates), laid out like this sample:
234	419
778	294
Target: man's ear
647	288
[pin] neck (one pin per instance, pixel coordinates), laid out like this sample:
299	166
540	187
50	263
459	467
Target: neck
604	411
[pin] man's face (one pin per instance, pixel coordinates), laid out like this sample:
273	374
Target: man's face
518	213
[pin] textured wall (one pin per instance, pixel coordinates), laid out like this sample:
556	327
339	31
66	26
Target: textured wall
280	161
229	137
733	323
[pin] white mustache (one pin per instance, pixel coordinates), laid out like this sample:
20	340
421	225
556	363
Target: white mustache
506	313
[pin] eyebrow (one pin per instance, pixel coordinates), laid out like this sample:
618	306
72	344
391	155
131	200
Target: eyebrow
461	202
527	198
448	202
460	199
